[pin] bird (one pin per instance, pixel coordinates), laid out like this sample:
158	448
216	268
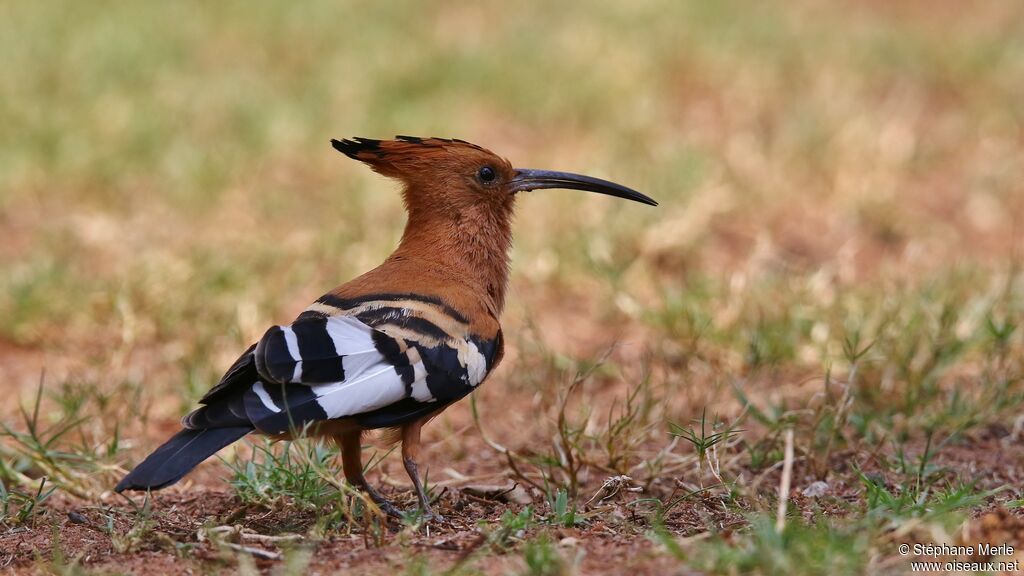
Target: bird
394	347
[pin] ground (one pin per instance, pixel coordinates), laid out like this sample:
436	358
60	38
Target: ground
806	357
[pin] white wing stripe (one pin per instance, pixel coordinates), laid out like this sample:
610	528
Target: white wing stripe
345	398
292	342
264	397
473	360
420	391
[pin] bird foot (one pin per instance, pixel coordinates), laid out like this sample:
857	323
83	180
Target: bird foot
430	517
390	509
424	517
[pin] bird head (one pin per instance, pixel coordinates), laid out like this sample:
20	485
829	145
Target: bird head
459	197
454	176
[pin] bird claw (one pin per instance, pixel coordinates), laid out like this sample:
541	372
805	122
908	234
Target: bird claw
389	509
424	517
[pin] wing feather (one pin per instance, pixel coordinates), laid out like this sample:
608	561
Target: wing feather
382	366
334	368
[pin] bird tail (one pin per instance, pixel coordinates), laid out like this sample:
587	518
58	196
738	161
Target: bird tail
176	457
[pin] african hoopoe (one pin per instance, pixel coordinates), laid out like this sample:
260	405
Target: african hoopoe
397	345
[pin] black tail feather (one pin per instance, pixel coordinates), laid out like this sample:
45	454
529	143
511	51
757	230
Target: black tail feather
183	452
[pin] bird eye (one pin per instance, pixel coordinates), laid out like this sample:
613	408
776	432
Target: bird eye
487	174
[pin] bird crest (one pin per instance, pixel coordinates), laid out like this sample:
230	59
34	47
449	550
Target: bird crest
409	154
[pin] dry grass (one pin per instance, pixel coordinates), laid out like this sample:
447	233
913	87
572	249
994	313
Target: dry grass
837	256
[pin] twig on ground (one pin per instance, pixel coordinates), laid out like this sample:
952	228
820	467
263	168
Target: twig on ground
784	482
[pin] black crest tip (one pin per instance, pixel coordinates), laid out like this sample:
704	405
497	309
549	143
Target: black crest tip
352	147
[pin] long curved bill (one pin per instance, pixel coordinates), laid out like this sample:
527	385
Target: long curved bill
527	179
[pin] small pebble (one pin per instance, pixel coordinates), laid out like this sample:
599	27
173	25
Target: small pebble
77	518
816	489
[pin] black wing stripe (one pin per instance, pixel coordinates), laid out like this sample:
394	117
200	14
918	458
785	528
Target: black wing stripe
349	303
276	408
381	318
308	314
321	361
447	378
487	349
237	378
393	354
273	360
216	415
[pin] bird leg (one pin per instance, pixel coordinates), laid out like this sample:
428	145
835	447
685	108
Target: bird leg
352	463
410	451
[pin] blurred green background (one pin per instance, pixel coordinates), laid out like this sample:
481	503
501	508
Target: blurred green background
166	181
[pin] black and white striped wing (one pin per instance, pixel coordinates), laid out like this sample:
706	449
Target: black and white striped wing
327	367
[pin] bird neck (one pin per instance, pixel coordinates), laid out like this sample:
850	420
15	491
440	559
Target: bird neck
469	247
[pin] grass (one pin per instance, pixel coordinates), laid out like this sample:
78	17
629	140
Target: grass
836	256
18	508
798	549
280	474
704	444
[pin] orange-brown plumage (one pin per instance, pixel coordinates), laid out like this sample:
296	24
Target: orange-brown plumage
395	346
458	232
